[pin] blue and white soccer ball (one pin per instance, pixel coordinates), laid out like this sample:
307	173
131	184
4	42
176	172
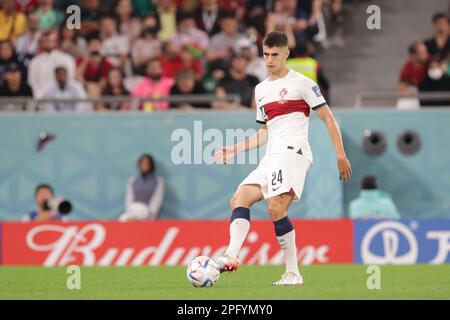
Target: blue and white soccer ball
203	272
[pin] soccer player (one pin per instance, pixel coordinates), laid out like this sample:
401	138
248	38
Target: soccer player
284	101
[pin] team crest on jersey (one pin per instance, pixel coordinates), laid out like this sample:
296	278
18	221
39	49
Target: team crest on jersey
283	94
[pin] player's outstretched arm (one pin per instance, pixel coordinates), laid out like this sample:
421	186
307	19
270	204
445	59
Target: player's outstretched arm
345	169
226	153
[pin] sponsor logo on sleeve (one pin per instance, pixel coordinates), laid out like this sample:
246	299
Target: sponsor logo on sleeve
316	91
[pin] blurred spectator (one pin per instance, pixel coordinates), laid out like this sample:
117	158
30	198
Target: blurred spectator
299	16
12	22
372	203
40	74
28	43
222	43
129	23
336	23
308	12
155	85
186	84
26	6
63	88
439	46
143	7
285	18
71	42
115	47
90	18
14	84
167	13
436	78
62	5
7	56
189	34
49	17
236	7
42	194
182	61
221	46
209	16
255	64
304	63
147	46
414	69
115	87
237	81
93	68
144	193
255	17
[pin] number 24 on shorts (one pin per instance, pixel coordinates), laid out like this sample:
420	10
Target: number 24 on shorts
277	178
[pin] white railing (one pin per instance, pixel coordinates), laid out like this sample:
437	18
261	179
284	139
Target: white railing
33	105
394	99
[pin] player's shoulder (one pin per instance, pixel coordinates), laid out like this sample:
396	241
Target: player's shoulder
261	84
297	76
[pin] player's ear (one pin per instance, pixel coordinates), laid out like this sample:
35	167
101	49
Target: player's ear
287	52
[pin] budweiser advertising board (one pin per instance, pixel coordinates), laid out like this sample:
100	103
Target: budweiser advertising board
166	242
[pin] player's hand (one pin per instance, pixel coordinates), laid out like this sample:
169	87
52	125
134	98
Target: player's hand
224	154
345	169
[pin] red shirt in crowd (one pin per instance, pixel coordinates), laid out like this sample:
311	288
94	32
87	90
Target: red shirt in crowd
95	73
173	66
412	74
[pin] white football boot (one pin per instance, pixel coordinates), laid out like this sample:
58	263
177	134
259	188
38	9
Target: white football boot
289	279
227	263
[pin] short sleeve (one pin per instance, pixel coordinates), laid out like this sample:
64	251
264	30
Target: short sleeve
260	117
312	95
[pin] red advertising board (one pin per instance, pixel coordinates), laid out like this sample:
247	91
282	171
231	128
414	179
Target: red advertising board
166	242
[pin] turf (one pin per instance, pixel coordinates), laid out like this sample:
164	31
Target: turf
250	282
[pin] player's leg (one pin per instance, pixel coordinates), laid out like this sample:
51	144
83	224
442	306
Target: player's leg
277	207
286	174
244	197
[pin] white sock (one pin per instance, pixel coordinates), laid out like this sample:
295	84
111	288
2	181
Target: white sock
287	243
238	231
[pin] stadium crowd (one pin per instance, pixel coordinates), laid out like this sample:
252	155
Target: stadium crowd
156	48
428	67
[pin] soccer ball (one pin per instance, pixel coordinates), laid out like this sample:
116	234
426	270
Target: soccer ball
203	272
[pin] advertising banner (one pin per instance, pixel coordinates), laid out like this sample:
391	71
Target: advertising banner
167	242
402	242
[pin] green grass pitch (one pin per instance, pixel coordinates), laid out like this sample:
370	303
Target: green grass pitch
249	282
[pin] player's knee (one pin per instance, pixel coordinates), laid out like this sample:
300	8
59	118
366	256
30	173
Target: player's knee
275	210
234	201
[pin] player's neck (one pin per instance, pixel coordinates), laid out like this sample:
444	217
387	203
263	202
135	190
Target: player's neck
279	74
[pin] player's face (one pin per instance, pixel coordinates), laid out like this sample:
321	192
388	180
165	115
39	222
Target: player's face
275	58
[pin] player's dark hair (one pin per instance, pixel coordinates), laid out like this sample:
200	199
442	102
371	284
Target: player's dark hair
150	159
275	39
438	16
41	186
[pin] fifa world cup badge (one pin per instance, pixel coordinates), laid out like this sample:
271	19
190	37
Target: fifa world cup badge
283	94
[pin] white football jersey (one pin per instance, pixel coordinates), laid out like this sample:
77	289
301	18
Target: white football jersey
284	105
